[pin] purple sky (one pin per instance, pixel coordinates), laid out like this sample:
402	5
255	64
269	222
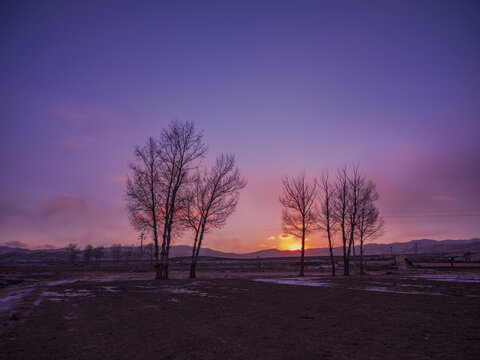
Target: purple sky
285	86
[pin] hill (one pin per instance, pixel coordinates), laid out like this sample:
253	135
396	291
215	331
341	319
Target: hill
425	246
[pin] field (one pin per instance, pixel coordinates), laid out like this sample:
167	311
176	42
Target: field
234	311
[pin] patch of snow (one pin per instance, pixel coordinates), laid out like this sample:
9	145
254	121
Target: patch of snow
110	289
10	301
313	282
385	289
416	285
56	295
295	281
174	300
61	282
184	291
458	277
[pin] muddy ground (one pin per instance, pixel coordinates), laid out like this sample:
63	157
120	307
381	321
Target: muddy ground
57	314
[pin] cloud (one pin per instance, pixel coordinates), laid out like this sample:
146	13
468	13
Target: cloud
55	221
15	244
45	247
61	204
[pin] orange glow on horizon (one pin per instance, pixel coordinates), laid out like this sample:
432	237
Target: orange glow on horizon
284	242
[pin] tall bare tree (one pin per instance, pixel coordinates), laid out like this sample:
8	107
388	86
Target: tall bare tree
72	252
144	194
212	199
299	214
325	213
87	253
356	183
340	213
181	147
348	200
98	253
370	224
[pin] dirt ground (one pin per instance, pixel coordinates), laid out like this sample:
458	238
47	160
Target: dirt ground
95	315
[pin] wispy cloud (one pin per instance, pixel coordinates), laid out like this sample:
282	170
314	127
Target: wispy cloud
60	219
15	244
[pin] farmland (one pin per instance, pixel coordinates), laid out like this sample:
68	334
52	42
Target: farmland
239	312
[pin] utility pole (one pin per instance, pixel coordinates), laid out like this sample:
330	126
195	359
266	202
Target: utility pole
391	253
142	236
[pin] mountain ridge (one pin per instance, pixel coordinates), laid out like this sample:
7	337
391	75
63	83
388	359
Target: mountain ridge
424	246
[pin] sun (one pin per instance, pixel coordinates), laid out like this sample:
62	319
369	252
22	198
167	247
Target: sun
288	242
293	247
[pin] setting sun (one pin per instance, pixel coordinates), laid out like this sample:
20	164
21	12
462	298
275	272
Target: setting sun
288	242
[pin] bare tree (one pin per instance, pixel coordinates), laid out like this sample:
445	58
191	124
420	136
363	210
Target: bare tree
325	213
143	194
98	253
181	147
356	184
72	252
116	252
212	199
370	224
340	212
299	213
87	253
348	200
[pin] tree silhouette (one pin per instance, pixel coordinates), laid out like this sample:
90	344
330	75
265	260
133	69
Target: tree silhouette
180	148
143	194
299	214
211	200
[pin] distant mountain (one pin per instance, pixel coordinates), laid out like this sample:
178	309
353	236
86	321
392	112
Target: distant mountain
425	246
7	249
186	250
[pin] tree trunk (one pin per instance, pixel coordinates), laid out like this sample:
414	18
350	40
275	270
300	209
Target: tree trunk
194	259
193	269
331	253
346	266
345	258
193	266
160	264
165	265
302	261
354	258
158	267
361	256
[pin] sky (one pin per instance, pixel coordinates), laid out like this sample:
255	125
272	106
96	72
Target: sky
286	86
